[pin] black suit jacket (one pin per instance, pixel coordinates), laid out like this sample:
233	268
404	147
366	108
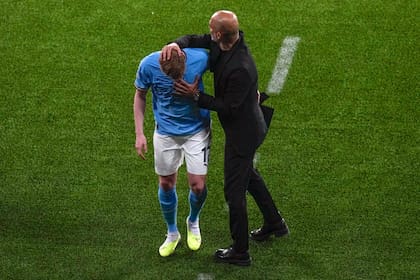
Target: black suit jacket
235	99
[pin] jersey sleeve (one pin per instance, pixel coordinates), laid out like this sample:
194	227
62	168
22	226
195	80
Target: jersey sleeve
143	77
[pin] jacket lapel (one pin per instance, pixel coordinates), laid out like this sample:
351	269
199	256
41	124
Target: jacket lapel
221	66
224	58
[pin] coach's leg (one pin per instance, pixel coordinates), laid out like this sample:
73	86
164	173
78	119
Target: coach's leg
236	179
258	190
273	224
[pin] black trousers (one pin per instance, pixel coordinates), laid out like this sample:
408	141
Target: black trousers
240	177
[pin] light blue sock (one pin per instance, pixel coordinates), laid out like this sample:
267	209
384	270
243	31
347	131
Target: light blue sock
169	205
196	204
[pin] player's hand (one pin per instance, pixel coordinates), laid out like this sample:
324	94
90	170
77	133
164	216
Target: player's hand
141	146
186	89
165	54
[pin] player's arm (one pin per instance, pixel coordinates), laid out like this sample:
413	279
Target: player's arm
139	108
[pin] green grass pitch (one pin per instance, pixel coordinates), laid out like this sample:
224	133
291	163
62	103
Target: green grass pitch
342	158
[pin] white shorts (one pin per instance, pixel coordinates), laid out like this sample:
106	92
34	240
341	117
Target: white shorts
170	151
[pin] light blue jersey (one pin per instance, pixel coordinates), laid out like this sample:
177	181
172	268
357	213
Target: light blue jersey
174	115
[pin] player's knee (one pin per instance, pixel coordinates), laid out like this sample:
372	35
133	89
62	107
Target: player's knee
198	187
167	182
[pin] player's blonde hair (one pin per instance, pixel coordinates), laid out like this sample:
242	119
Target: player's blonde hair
174	67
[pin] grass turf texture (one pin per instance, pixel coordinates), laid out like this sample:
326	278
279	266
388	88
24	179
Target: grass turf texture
341	159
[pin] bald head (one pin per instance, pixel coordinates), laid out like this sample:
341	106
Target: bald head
225	21
224	27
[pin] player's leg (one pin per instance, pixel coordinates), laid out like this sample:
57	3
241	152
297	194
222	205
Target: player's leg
168	200
196	197
168	158
196	149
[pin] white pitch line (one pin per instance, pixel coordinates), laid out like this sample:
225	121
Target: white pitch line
284	60
205	276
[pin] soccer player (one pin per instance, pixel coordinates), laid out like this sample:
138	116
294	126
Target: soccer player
182	130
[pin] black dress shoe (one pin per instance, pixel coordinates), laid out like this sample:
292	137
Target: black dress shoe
229	255
278	230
